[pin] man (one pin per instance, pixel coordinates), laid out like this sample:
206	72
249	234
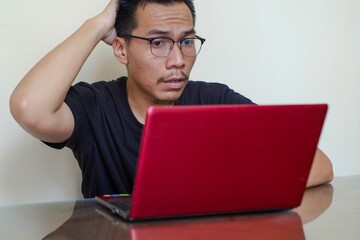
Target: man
102	122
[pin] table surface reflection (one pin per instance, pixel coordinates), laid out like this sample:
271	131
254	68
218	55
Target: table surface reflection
330	211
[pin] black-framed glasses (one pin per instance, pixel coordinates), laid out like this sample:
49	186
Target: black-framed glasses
162	46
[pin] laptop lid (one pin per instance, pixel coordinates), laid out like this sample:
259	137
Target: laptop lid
197	160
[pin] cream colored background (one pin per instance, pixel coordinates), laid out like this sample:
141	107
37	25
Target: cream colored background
278	51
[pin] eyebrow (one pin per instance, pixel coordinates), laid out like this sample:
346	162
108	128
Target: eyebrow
160	32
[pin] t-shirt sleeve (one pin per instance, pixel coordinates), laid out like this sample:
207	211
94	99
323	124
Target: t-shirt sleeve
80	98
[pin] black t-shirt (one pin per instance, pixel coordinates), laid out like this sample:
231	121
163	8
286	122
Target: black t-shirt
106	136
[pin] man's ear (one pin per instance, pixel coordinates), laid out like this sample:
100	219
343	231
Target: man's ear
120	51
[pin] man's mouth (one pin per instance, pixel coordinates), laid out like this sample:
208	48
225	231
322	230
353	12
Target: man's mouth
174	80
175	83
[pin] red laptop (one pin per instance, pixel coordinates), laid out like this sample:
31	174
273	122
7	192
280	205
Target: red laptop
220	159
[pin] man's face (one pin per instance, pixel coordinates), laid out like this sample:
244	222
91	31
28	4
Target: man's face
159	79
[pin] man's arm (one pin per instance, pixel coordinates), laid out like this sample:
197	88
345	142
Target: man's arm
321	170
37	103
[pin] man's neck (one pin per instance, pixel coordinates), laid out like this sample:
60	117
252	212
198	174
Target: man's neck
140	102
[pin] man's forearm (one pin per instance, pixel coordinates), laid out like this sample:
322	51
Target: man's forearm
45	86
321	170
37	103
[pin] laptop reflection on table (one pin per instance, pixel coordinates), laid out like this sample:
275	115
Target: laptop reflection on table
266	226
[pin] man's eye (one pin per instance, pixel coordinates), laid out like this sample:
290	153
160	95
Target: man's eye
188	42
158	43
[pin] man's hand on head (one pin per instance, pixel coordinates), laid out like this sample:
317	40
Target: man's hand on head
108	17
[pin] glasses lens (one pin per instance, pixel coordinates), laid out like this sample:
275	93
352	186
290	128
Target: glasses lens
191	46
161	47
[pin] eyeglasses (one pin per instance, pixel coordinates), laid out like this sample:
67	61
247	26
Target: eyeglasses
162	46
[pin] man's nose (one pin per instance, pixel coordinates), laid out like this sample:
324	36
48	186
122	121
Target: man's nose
176	57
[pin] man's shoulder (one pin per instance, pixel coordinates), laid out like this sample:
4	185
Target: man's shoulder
96	94
97	90
201	92
102	84
199	84
206	87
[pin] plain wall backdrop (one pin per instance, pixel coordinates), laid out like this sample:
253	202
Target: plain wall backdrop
278	51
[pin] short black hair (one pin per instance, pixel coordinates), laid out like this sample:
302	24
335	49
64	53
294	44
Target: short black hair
126	16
